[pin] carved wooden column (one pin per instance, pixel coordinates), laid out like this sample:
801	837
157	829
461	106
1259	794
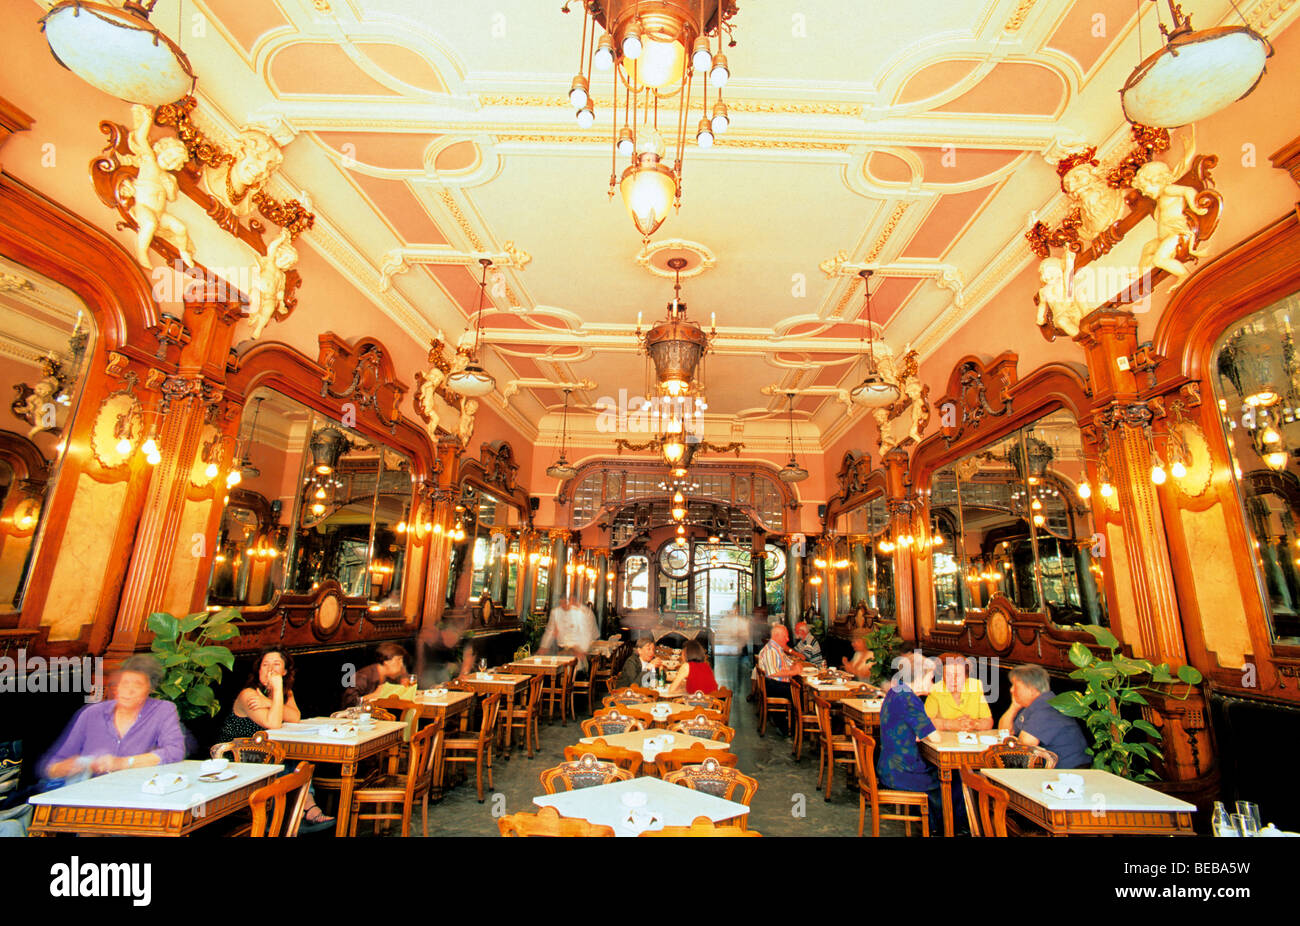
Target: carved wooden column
900	521
602	586
528	554
189	402
559	559
442	496
793	586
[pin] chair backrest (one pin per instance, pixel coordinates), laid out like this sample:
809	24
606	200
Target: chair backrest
624	758
712	777
704	701
491	707
548	822
425	746
705	728
702	826
864	752
625	696
724	695
823	709
382	713
288	797
610	722
1010	754
586	772
695	754
798	694
535	693
986	804
256	748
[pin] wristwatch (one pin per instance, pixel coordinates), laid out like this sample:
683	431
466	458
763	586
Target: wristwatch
130	761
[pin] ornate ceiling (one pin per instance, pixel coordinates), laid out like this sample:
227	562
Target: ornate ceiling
429	133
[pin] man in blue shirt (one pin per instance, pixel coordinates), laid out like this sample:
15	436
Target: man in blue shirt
1033	719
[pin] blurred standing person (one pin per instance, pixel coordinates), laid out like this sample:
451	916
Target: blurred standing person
571	629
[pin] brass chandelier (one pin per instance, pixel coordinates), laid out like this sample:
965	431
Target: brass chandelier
657	49
874	391
676	345
470	378
562	469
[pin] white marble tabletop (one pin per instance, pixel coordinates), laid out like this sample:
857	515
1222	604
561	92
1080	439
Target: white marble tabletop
866	705
1118	794
449	697
546	660
122	789
951	740
309	731
669	805
636	742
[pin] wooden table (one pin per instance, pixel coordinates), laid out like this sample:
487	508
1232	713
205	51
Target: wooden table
949	754
836	691
506	685
445	707
114	805
636	742
1110	805
300	742
676	712
865	712
674	805
604	647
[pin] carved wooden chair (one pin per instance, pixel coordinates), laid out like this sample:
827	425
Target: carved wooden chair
705	728
624	697
833	748
586	687
702	826
526	716
288	798
476	749
548	822
627	759
405	789
806	722
611	722
586	772
712	777
766	703
703	701
902	802
724	695
1012	754
674	759
986	804
256	748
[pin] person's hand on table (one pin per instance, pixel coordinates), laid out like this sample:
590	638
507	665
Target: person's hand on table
102	764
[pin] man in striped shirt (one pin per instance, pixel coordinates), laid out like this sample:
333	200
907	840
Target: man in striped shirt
778	665
806	645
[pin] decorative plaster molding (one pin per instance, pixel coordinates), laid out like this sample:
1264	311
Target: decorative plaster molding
399	260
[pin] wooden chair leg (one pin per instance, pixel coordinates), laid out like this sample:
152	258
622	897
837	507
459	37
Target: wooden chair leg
830	772
862	811
925	821
875	819
478	775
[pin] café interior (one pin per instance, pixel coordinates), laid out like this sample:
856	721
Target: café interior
517	335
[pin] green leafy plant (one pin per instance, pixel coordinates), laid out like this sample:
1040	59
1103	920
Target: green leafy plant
886	645
1110	685
192	659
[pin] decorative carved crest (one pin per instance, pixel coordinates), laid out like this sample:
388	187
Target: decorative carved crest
368	372
913	401
855	467
976	392
498	461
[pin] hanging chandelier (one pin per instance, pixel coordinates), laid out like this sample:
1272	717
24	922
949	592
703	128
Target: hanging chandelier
246	468
676	346
561	469
792	471
472	379
658	50
118	51
1195	74
874	391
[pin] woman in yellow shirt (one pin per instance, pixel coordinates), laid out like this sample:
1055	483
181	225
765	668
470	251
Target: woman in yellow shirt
958	704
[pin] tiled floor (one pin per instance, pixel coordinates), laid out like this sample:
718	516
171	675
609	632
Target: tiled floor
787	802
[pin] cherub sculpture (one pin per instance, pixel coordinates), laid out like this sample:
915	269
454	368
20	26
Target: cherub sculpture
466	429
256	155
154	188
907	417
267	297
427	399
1174	232
41	410
1058	305
1085	182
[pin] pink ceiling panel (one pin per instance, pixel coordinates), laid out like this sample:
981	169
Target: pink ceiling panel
460	285
247	22
461	156
962	165
1089	28
406	65
887	298
888	168
943	225
321	69
933	79
396	202
388	151
1012	88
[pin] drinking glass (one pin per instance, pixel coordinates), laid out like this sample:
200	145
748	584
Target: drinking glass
1244	824
482	666
1247	809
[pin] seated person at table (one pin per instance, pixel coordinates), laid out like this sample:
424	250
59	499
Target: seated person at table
695	674
132	730
779	664
266	703
863	660
1036	723
806	645
639	667
571	630
389	668
958	704
903	723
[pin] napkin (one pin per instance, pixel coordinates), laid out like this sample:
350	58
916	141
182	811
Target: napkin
968	739
391	690
165	783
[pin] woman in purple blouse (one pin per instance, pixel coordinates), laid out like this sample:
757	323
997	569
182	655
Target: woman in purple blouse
132	730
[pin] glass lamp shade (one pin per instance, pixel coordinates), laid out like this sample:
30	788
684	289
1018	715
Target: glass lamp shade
792	472
673	451
1194	76
874	392
1256	365
662	63
471	381
118	51
327	445
648	189
675	347
561	469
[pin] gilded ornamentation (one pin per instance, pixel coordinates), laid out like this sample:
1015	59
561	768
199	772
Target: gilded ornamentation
13	283
1017	19
371	385
454	208
38	404
399	260
890	224
906	419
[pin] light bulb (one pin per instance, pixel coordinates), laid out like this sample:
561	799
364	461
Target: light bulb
1270	435
604	57
632	42
1178	469
1036	505
586	116
211	470
153	459
578	95
626	143
701	57
149	447
721	118
401	527
124	447
1107	490
1085	490
233	478
1039	520
678	498
1276	460
720	73
318	509
1158	475
704	134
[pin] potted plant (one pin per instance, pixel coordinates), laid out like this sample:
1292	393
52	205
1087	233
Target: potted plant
192	658
885	644
1111	684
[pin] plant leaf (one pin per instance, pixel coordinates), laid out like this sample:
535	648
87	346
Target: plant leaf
1101	635
1190	674
163	625
1080	655
221	632
191	622
1071	704
1148	728
199	695
1131	666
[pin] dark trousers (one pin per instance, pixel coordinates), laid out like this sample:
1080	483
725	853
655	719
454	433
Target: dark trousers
779	689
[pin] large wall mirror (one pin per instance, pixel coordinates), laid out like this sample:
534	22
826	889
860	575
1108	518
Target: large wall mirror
485	559
315	502
1018	528
863	563
1258	392
46	338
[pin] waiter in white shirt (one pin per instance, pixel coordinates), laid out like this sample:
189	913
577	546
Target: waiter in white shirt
571	629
